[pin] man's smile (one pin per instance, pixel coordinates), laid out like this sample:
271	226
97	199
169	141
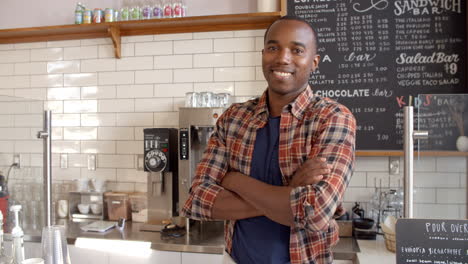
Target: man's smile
282	74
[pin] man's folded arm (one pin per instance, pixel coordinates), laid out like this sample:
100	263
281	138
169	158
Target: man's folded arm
313	206
207	199
309	206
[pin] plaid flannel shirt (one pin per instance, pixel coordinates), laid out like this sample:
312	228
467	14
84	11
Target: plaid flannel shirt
310	126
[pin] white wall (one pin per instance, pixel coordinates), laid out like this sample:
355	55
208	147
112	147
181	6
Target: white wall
101	105
32	13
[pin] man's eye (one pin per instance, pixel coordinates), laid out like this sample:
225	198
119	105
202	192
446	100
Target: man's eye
298	51
272	48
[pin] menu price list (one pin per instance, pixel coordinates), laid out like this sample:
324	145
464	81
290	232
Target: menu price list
377	56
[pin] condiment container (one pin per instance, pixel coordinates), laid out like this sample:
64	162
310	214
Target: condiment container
139	205
118	205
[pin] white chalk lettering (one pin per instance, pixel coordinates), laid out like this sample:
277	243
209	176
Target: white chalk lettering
421	7
435	227
459	228
435	58
374	4
353	57
343	93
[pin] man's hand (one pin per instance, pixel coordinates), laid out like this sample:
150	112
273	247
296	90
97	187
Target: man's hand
311	172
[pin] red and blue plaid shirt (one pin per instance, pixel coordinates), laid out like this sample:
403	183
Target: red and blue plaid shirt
310	126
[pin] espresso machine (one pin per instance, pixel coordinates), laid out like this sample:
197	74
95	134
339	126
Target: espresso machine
161	163
195	128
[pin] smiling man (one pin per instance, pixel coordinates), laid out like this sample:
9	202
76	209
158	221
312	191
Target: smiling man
277	167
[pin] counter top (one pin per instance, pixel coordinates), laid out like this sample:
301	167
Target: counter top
205	237
375	251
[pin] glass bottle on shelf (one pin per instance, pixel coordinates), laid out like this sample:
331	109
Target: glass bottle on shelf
177	8
79	13
184	8
146	10
157	9
124	11
134	10
167	9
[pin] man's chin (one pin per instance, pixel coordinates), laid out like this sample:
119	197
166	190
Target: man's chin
282	89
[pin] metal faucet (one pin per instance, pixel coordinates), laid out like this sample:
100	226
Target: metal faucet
408	144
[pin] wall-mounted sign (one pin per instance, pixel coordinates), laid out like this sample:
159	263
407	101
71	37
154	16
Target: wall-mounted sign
377	56
432	241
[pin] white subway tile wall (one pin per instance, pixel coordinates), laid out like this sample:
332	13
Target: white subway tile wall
7	69
50	54
98	92
31	68
101	106
99	65
35	94
34	45
63	67
11	82
213	60
193	46
64	43
15	56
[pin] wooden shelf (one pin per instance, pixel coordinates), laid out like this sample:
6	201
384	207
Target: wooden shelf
377	153
140	27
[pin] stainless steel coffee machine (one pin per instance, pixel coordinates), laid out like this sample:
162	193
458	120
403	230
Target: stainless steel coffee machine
195	128
161	163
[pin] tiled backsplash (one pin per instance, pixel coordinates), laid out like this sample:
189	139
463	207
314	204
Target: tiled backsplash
101	106
440	184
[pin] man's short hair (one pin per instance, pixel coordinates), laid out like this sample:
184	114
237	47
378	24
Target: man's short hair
295	18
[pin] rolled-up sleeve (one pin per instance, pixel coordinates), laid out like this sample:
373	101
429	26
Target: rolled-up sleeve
209	173
313	206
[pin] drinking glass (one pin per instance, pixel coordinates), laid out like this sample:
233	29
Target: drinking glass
215	100
29	194
206	99
191	99
224	99
54	245
34	215
81	185
18	192
98	184
62	208
36	191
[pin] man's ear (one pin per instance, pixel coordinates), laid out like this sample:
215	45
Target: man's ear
262	51
315	62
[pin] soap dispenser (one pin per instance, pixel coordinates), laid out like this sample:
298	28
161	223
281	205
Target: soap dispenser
17	235
4	258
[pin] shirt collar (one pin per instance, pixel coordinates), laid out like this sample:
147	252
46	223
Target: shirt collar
297	107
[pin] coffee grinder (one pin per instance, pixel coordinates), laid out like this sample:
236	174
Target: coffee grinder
195	128
161	163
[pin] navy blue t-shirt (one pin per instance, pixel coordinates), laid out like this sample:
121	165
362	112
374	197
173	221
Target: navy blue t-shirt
259	240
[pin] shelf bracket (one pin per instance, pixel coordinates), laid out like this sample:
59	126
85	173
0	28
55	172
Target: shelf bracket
114	32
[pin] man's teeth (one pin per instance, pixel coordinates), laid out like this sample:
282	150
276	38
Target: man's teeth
282	74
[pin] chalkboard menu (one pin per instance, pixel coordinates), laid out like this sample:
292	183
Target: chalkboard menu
432	241
377	56
445	117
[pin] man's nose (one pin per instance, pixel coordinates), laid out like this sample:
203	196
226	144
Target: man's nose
284	56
